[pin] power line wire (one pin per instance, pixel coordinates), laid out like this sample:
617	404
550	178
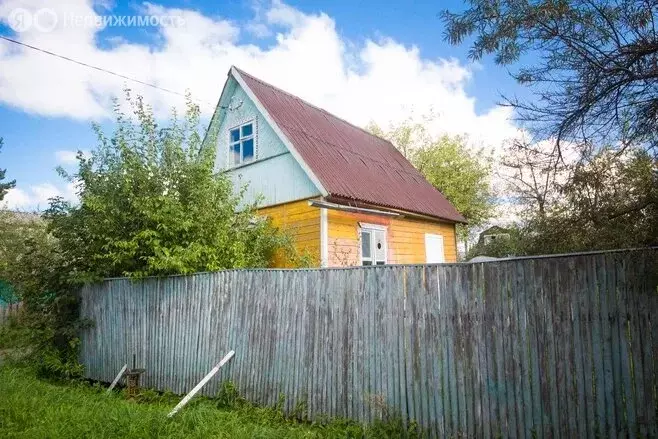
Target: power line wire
99	69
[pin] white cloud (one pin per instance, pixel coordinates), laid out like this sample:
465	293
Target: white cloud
69	157
16	199
377	79
36	197
66	157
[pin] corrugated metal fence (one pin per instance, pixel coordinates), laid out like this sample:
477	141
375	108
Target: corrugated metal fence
546	347
7	310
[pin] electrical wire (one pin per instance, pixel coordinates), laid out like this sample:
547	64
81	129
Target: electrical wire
100	69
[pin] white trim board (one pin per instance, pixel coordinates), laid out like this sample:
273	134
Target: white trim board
372	226
324	238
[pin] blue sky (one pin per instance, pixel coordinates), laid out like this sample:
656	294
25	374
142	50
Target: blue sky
359	59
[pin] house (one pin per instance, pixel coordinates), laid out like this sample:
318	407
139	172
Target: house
347	196
493	233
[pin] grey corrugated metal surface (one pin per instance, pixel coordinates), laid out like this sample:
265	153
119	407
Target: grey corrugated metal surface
7	310
546	347
350	162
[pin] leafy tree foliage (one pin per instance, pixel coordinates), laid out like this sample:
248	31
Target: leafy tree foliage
592	64
609	202
514	245
15	229
460	173
407	136
151	204
4	187
30	261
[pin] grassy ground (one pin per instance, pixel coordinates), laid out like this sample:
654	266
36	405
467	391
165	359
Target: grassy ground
33	408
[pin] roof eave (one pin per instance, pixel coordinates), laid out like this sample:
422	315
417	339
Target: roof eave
403	212
216	112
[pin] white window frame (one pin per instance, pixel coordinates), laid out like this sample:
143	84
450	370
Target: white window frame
371	228
231	143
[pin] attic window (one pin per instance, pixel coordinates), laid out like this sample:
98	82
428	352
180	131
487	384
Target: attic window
241	144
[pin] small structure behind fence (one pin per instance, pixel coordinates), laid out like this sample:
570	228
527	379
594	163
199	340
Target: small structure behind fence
552	346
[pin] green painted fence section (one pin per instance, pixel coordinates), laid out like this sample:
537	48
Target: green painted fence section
544	347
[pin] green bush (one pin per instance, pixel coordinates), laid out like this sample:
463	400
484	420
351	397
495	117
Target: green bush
150	203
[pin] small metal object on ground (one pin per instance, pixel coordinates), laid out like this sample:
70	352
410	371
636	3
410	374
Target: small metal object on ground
201	384
132	379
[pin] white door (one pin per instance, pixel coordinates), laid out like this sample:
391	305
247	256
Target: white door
434	249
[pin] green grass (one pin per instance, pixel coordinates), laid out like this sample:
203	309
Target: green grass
33	408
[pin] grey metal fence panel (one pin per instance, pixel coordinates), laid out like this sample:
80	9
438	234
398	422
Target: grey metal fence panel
533	347
7	311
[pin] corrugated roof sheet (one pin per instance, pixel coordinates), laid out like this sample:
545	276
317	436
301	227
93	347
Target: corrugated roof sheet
350	162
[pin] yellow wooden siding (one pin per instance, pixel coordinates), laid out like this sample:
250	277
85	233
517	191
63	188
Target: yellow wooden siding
405	238
302	222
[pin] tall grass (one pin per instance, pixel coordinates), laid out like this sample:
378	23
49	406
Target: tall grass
33	408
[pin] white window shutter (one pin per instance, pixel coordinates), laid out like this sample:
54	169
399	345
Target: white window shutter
380	245
434	252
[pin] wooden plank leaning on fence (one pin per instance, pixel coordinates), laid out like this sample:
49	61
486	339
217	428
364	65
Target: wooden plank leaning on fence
118	377
201	384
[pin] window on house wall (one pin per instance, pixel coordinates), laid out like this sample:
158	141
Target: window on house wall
242	144
373	245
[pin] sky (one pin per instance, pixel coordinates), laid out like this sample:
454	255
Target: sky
363	60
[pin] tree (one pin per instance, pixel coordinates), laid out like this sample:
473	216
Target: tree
32	265
591	63
4	187
502	247
406	136
608	201
461	174
151	204
15	229
531	176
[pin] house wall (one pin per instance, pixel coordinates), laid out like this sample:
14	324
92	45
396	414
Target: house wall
302	222
405	238
274	177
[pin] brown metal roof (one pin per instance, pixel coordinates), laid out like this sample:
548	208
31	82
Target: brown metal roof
350	162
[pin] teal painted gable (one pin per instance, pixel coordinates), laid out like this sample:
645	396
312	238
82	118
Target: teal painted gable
274	176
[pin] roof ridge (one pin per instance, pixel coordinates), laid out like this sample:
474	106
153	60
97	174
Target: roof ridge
242	72
311	130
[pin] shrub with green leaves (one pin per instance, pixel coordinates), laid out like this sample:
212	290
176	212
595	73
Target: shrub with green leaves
152	204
